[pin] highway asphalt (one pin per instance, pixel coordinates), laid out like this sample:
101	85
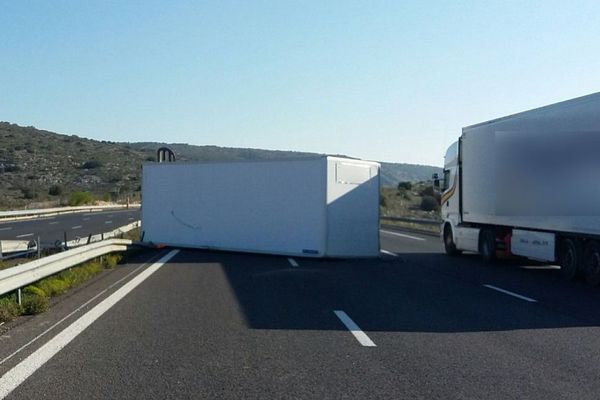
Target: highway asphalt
51	229
412	324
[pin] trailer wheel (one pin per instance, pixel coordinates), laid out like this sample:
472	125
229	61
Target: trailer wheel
591	263
568	257
449	244
487	245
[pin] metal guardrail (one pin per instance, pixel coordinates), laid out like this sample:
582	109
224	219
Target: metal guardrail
100	236
45	212
15	278
418	221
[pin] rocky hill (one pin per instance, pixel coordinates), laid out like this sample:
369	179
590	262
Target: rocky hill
39	167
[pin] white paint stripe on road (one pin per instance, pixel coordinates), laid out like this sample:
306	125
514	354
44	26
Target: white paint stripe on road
24	235
86	219
8	228
402	235
354	329
518	296
53	223
17	375
108	222
293	262
76	227
389	253
63	319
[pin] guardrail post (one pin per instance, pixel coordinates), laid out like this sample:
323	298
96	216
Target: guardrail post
19	297
0	250
65	236
39	248
89	238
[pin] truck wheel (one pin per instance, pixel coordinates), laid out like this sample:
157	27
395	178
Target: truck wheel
449	245
568	257
591	263
487	245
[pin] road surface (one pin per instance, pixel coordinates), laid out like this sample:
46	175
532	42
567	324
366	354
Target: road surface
51	229
412	324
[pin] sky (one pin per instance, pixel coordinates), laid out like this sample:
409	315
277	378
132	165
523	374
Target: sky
382	80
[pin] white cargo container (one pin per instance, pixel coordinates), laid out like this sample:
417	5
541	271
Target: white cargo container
315	207
527	184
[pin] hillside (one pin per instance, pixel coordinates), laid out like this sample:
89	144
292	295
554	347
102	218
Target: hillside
39	168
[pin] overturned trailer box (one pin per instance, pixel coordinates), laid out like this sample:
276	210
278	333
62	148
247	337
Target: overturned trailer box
315	207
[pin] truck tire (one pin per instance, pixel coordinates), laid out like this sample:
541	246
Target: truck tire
591	263
569	259
449	244
487	245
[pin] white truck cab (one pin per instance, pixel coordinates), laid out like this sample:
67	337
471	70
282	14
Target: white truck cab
526	185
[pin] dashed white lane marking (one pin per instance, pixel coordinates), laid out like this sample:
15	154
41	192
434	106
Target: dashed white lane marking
354	329
8	228
389	253
402	235
130	218
108	222
513	294
25	235
53	223
76	227
86	219
17	375
293	262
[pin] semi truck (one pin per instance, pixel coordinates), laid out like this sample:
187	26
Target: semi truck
309	207
528	185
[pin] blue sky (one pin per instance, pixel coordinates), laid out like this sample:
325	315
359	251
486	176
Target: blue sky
384	80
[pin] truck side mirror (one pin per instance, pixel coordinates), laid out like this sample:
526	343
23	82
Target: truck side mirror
436	181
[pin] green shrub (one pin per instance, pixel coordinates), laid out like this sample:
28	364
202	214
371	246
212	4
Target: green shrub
80	198
111	260
34	304
34	290
429	203
92	164
28	193
53	286
55	190
382	201
9	309
404	186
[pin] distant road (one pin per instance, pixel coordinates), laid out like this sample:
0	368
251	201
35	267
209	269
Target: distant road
411	324
51	229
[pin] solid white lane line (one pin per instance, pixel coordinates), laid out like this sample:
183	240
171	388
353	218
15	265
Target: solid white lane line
402	235
8	228
53	223
293	262
17	375
108	222
130	218
389	253
518	296
354	329
77	227
25	235
86	219
20	349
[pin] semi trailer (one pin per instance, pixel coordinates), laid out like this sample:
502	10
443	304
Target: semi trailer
528	185
311	207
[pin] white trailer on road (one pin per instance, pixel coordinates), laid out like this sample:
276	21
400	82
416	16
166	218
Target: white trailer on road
313	207
528	184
